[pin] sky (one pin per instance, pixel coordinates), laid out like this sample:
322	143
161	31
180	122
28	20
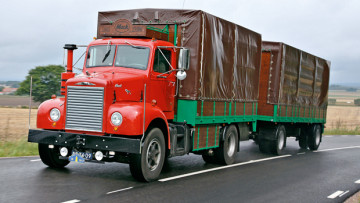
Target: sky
33	33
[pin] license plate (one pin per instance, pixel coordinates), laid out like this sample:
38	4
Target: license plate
80	157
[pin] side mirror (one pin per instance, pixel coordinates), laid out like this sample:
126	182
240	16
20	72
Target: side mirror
184	59
181	75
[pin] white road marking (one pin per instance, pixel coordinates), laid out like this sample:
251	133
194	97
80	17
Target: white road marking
335	194
357	182
344	193
119	190
220	168
35	160
328	135
72	201
333	149
300	153
18	157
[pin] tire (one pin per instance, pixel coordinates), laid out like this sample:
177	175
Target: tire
265	146
147	166
50	157
303	138
280	143
314	138
273	146
209	159
226	153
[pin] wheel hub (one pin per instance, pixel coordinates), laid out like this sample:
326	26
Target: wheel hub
231	144
317	137
281	140
153	155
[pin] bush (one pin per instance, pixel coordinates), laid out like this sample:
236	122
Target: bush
357	102
332	101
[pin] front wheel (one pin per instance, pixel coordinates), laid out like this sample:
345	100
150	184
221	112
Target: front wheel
50	156
147	166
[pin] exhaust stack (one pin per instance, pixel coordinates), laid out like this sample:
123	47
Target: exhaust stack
69	67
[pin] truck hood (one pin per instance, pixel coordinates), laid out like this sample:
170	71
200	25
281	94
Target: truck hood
119	86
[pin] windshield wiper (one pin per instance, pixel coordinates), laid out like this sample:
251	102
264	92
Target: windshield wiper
108	52
106	55
136	47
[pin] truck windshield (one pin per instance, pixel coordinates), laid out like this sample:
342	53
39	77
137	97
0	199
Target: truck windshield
132	57
102	55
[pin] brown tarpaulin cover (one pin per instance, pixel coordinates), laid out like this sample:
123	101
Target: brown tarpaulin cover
225	57
297	77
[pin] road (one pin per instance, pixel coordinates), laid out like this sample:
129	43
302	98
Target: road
331	174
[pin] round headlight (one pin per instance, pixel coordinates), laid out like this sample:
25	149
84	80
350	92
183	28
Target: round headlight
55	114
116	118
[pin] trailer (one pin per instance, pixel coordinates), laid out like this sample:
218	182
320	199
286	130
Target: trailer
292	98
160	83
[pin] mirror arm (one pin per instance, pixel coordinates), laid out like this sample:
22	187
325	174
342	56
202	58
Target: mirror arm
165	58
170	71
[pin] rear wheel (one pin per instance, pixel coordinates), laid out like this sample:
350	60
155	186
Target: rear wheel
147	166
314	138
50	156
226	153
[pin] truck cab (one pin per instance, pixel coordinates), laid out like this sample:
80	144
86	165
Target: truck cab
126	90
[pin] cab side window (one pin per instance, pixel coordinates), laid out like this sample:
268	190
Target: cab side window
160	63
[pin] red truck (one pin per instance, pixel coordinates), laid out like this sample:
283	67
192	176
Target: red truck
160	83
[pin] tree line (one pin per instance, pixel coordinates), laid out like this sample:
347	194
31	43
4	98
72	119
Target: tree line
46	81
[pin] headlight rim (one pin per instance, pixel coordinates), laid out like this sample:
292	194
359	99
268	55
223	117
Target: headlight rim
59	114
112	118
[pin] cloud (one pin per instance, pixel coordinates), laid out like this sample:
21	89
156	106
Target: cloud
34	32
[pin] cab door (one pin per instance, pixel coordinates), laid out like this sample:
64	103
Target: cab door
162	84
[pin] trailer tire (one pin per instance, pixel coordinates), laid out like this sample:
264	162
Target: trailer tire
280	143
275	141
226	153
209	159
50	157
147	166
303	138
314	138
265	146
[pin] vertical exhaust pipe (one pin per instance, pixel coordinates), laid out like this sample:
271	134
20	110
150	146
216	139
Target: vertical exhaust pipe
70	49
69	67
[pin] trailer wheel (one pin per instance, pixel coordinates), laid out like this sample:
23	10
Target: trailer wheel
303	138
276	141
280	143
50	157
226	153
265	146
314	138
147	166
209	159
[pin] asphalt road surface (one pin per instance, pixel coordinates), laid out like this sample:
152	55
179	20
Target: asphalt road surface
331	174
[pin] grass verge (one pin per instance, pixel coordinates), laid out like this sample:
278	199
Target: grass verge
18	148
342	131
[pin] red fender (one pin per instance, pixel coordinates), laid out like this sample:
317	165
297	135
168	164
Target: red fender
132	113
43	114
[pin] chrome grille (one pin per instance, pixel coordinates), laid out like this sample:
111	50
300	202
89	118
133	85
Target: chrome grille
84	109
